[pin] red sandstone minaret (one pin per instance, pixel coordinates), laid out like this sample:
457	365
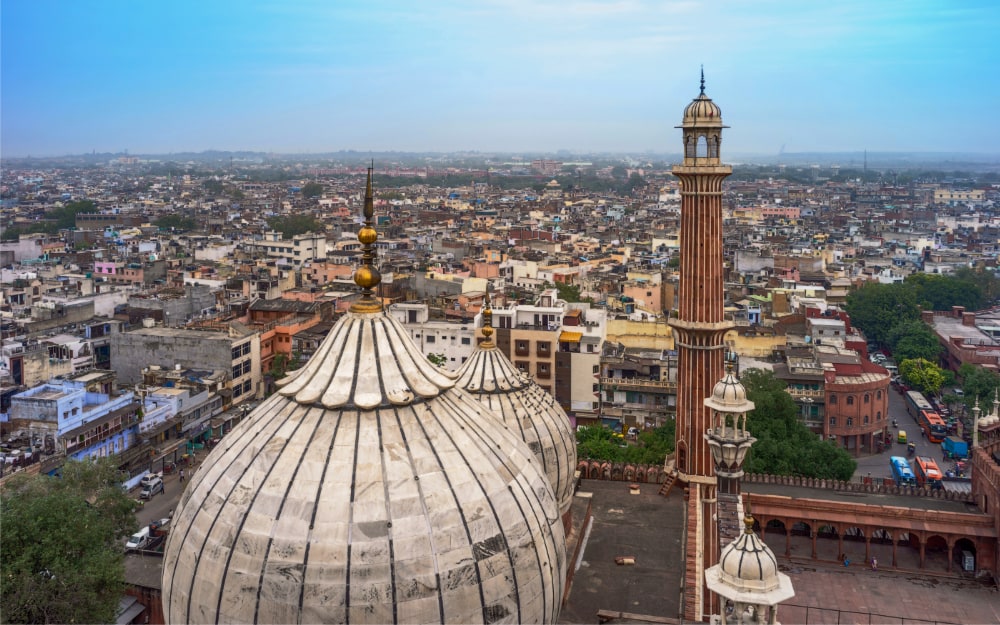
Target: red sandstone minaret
698	335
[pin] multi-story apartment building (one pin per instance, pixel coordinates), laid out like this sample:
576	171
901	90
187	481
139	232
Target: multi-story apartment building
229	347
296	251
638	387
84	413
529	336
454	341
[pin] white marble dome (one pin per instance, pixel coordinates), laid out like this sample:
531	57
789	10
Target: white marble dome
527	409
729	395
747	572
369	489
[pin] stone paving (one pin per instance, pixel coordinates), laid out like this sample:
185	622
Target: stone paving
856	594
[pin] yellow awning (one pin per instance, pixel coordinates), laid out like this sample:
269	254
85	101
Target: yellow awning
570	337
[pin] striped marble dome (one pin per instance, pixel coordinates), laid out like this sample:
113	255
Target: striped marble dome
369	489
527	409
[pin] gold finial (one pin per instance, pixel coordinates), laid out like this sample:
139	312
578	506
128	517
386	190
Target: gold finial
367	275
748	519
487	320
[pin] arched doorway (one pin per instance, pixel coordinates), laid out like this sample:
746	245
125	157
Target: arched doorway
963	556
936	554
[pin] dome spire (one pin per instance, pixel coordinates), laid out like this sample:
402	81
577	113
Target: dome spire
487	321
702	80
367	275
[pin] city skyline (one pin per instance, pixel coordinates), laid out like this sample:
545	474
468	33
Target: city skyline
504	76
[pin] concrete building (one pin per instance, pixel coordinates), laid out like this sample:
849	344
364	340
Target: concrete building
299	249
85	415
452	340
235	350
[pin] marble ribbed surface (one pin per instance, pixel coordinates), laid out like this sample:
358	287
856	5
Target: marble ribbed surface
530	411
367	361
424	511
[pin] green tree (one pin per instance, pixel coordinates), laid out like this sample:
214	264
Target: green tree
439	360
978	383
914	339
941	292
294	225
212	185
312	189
922	374
176	222
785	446
877	308
61	554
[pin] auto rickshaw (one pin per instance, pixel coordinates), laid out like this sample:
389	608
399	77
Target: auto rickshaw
901	437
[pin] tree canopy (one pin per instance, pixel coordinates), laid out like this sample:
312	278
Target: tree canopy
294	224
922	374
878	308
600	443
61	556
785	446
59	218
176	222
978	383
914	339
312	189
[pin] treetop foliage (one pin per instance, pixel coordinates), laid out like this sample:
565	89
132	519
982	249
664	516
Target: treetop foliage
785	446
61	556
293	225
600	443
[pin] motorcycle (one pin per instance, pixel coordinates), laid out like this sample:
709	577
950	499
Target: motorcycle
911	448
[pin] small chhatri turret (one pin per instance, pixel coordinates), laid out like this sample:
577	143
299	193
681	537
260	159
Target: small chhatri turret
747	577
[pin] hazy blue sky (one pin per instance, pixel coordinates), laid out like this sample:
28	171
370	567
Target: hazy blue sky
510	75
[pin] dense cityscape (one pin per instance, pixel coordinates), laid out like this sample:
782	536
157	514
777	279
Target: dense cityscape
150	303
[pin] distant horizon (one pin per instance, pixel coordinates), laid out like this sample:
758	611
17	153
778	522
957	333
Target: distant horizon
509	76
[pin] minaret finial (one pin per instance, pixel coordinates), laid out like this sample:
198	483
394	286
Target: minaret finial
487	320
367	275
702	80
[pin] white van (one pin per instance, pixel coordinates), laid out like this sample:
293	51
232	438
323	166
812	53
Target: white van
138	540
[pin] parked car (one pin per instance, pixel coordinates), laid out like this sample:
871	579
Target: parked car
138	540
150	488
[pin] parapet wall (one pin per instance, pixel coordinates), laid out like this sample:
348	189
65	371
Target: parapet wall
881	487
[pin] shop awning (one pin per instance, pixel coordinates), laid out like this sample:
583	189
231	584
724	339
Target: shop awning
570	337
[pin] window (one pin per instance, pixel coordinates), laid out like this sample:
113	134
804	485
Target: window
833	421
246	367
246	386
246	349
866	419
466	340
431	338
867	398
850	421
596	369
237	371
878	416
833	399
237	390
596	388
411	316
878	395
850	400
236	352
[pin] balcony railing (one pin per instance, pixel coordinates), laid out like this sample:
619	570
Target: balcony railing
804	392
639	384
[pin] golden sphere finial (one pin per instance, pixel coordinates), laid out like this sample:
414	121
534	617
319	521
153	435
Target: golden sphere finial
367	235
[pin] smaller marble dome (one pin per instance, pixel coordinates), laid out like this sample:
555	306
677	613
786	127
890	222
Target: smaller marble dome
748	562
729	395
702	108
747	572
526	408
